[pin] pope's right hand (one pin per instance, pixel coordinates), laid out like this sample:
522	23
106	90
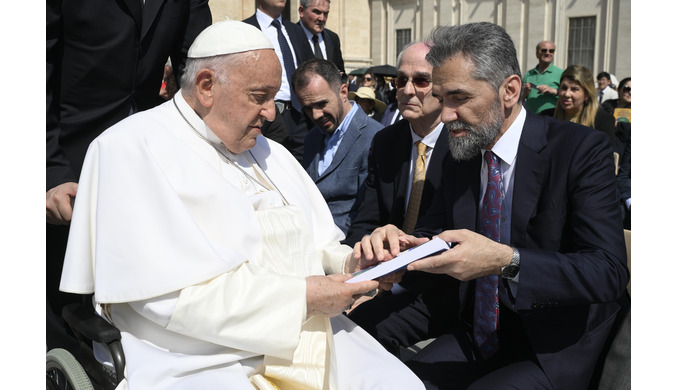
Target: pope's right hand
329	296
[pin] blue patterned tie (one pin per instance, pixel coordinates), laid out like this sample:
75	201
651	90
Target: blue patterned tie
486	307
288	62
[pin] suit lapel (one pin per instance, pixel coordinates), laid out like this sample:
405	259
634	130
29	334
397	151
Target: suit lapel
149	13
403	149
465	199
134	7
529	174
329	46
352	134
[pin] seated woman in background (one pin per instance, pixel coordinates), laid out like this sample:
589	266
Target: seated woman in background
578	103
624	101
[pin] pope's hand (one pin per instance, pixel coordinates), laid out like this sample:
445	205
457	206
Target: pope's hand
329	296
60	203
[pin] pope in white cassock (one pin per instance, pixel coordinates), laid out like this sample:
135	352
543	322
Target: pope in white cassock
207	245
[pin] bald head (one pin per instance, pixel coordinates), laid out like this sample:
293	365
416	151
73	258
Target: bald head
413	80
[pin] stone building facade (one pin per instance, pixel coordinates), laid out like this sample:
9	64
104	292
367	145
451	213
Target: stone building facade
596	34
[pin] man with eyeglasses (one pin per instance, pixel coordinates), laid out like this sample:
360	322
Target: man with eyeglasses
540	85
392	180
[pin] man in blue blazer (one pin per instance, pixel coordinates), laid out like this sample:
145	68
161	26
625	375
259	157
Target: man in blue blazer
336	149
312	18
539	259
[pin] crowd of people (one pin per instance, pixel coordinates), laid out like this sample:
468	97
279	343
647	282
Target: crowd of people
217	225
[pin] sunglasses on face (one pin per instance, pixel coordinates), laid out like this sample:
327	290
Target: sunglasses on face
418	82
367	78
543	51
626	89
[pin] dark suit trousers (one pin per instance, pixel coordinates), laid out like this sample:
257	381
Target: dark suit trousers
451	361
296	127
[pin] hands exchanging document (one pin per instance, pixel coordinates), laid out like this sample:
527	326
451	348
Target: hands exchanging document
473	256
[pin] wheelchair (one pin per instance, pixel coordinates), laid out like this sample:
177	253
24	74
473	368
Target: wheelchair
65	372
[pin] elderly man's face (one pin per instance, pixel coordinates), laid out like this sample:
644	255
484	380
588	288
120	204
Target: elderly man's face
323	104
315	15
472	110
545	52
241	104
415	100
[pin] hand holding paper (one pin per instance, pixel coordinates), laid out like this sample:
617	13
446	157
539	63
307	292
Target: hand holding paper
436	245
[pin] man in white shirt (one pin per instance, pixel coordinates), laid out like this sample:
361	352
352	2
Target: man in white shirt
208	246
323	41
605	90
292	50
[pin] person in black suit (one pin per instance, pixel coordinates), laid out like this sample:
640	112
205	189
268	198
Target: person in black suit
391	170
290	125
393	152
105	61
541	261
312	18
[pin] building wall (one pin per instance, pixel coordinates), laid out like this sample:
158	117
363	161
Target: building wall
527	21
367	28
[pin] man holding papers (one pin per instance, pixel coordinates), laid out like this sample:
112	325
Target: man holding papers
530	206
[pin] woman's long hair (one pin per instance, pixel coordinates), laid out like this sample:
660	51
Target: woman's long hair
582	76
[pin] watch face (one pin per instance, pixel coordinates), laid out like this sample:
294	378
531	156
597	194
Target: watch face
510	271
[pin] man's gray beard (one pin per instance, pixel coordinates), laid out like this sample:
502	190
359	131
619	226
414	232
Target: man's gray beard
478	137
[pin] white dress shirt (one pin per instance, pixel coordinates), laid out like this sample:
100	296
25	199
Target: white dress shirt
272	34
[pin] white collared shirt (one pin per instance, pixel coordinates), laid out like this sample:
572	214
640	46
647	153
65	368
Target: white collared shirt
321	41
272	34
506	149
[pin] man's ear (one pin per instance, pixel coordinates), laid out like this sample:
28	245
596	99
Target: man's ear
510	91
343	92
204	82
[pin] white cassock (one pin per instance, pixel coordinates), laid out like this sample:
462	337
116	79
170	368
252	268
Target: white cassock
203	270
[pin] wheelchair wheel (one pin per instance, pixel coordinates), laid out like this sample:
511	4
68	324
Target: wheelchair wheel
65	373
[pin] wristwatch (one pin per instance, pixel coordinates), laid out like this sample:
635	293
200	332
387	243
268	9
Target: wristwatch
511	270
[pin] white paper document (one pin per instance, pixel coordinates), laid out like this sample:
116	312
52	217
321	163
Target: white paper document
429	248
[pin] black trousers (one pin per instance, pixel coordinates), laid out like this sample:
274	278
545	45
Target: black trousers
452	360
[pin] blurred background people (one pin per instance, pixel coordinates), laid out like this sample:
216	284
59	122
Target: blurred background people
623	101
366	99
606	89
540	85
577	101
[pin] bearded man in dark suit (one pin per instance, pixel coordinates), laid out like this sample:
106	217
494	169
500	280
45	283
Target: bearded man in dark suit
530	207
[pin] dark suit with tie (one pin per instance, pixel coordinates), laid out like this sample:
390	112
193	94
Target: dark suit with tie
290	125
388	179
566	224
343	182
105	60
332	47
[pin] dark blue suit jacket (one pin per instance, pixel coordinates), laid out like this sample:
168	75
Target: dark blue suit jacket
388	178
567	226
343	182
300	46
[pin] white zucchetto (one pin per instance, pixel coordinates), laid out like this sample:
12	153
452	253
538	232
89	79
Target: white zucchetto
228	37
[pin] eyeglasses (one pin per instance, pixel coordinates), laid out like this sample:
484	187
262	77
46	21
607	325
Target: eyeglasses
543	51
626	89
367	78
418	82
